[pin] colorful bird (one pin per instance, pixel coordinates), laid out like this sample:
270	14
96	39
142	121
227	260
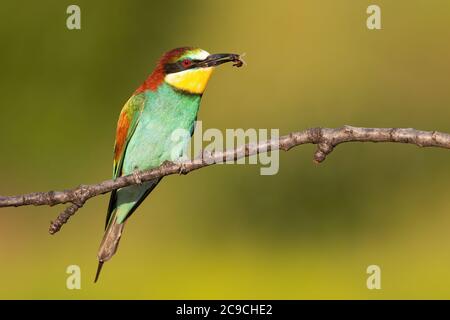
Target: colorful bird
167	101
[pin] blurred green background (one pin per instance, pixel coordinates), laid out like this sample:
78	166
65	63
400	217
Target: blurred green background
226	231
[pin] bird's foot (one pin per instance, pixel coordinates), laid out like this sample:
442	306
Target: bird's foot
137	177
182	166
183	169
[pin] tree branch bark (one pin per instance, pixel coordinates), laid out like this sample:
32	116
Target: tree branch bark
326	140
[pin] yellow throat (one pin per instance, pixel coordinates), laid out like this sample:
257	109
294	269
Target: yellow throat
192	80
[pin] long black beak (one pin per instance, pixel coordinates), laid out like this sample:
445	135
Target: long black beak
214	60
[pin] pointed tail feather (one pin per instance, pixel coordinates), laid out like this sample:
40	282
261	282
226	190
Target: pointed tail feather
99	269
109	244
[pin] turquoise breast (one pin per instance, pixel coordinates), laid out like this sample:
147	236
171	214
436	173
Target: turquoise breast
159	134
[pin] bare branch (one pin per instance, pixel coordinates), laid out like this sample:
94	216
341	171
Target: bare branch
326	140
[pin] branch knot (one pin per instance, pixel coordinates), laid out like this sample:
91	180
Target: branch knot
315	135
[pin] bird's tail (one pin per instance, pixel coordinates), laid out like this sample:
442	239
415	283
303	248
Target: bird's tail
109	244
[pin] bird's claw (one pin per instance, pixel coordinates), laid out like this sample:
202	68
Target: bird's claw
137	177
183	169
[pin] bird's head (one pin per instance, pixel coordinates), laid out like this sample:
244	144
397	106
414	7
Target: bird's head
189	69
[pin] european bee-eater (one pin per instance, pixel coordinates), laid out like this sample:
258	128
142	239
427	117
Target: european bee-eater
168	100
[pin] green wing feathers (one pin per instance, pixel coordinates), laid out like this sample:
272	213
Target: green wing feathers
128	120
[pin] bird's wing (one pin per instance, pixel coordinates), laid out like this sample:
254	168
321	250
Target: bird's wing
128	120
126	125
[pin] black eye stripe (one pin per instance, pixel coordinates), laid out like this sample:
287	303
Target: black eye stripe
179	66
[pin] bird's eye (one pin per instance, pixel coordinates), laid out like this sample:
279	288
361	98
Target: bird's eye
187	63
